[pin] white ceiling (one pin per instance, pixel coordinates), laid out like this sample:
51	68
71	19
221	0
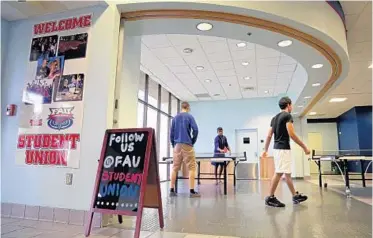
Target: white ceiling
357	87
162	57
14	10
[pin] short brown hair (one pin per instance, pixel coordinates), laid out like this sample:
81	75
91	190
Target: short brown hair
185	105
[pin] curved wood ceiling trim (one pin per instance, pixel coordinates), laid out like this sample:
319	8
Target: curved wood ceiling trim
323	48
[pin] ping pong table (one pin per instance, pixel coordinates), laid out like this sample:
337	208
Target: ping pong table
213	157
341	158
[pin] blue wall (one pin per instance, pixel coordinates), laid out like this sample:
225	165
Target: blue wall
355	132
364	126
231	115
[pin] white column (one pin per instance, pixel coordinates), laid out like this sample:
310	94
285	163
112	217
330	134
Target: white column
127	82
300	160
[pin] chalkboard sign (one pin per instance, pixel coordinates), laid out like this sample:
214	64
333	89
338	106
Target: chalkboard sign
127	178
122	171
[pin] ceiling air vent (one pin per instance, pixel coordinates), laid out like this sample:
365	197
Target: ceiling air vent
202	95
248	88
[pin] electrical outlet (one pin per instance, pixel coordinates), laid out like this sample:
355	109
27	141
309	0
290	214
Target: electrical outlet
69	179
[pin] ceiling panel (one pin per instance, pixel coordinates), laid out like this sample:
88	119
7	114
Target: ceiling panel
222	61
357	86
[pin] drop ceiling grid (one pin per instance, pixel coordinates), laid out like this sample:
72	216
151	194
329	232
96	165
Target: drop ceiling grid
212	52
204	70
174	75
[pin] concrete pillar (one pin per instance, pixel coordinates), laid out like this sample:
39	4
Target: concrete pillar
300	160
127	80
126	88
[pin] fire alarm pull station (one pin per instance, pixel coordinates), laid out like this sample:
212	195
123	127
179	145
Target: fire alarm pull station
11	110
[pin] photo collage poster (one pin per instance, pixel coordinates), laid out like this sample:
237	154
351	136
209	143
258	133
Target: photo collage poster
52	111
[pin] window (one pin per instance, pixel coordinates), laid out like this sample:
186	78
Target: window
148	113
153	94
174	106
140	115
151	120
141	93
165	96
163	145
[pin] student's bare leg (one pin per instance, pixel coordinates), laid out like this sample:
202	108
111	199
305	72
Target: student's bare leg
290	184
274	183
221	171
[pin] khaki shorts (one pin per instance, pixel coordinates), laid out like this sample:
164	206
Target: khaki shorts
184	153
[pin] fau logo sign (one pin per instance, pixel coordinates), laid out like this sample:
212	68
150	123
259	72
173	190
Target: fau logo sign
61	118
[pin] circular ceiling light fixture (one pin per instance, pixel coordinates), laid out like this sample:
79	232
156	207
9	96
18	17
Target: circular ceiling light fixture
245	63
188	50
317	66
208	81
199	68
204	26
266	91
241	44
284	43
307	97
316	84
247	78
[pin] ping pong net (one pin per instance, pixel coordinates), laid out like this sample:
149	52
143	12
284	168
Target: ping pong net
216	156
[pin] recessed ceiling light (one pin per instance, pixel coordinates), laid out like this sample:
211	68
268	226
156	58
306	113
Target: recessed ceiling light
285	43
300	106
312	113
241	44
247	78
245	63
337	99
200	68
307	97
208	80
188	50
317	66
266	91
316	84
204	26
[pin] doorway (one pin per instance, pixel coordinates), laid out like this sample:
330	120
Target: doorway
247	141
315	143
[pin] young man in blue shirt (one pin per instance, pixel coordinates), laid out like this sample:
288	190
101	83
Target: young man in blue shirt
183	136
220	148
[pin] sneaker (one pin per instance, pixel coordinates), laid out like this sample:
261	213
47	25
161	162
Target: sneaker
273	202
298	198
194	195
173	194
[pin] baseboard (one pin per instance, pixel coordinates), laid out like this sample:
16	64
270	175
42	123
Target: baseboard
49	214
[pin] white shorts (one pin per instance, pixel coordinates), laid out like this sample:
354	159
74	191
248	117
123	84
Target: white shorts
282	159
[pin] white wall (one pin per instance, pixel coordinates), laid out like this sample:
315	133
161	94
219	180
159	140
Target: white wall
329	135
45	186
232	115
4	41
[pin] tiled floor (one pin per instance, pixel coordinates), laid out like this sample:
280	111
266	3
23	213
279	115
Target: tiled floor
17	228
239	214
336	184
